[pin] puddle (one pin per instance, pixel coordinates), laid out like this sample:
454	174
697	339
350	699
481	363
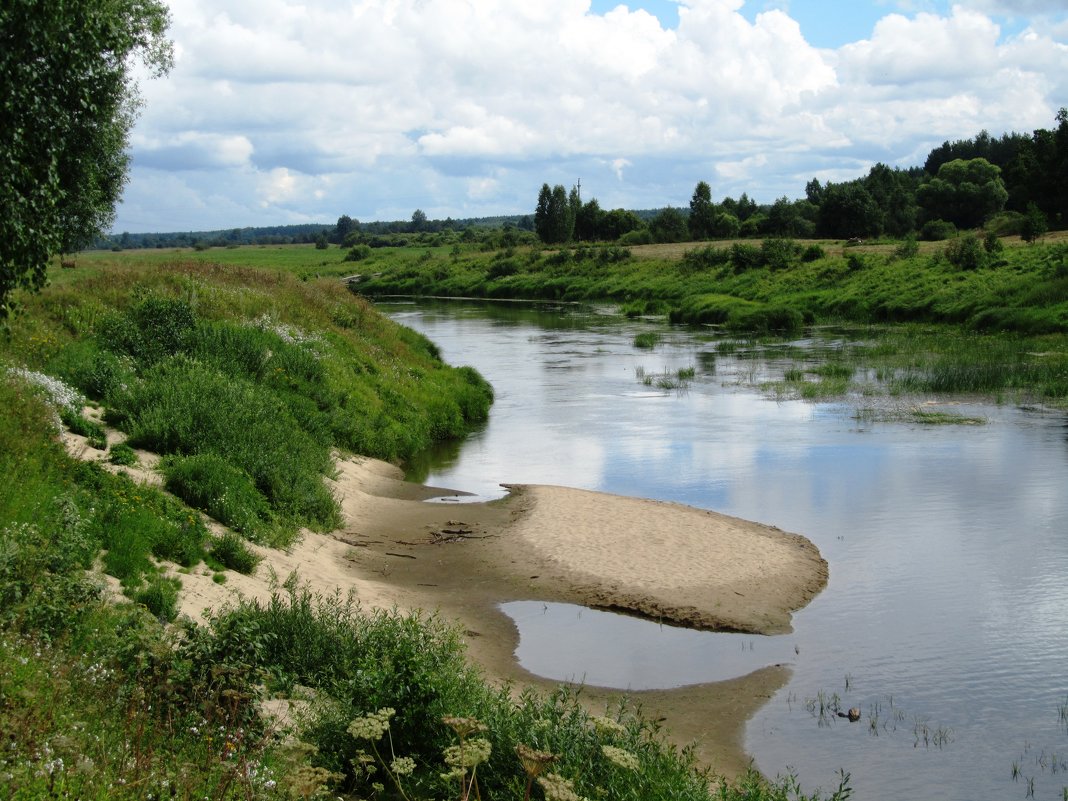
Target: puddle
566	642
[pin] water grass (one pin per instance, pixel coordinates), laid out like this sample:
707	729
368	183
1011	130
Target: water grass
647	340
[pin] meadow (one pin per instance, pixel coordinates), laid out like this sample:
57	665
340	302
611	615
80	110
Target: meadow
246	378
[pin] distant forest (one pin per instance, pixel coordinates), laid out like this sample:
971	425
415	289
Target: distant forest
1016	184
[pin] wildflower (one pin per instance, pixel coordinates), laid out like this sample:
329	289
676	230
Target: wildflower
620	757
463	726
605	726
557	788
403	766
468	754
534	762
372	726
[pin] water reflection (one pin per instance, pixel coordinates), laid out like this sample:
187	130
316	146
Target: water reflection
947	545
573	643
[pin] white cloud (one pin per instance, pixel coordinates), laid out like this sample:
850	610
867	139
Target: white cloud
467	106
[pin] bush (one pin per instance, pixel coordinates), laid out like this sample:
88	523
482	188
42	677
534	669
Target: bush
745	257
79	424
160	597
641	236
1006	223
152	329
966	252
182	407
502	269
233	552
122	454
358	253
778	254
706	258
812	252
992	244
907	249
937	231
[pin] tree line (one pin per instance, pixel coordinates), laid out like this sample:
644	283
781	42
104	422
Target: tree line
1018	184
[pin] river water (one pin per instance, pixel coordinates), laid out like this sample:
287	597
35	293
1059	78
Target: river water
945	619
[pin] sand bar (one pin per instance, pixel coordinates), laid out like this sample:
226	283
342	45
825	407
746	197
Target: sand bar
660	560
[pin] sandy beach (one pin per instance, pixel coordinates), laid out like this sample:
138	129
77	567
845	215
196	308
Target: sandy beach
664	561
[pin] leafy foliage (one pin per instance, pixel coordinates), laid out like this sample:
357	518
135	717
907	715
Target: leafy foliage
64	171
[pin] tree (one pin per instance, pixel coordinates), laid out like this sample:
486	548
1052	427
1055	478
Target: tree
345	226
67	103
553	221
588	221
1034	224
617	222
418	220
669	226
965	192
848	210
702	212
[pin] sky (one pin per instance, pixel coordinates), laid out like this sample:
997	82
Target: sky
282	111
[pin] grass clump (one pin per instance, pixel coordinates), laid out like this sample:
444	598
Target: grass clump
160	597
122	454
208	482
647	340
233	552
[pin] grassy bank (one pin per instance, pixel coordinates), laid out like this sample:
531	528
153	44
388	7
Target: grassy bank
965	316
246	379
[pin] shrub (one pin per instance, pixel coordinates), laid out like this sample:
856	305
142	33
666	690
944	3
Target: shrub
79	424
1034	223
937	231
706	258
122	454
745	257
992	244
182	407
1006	223
812	252
908	248
966	252
233	552
160	597
641	236
502	269
358	253
778	254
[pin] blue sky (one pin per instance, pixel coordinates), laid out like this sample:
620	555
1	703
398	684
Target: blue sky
290	111
833	23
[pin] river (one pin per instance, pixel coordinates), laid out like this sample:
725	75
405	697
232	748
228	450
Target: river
945	619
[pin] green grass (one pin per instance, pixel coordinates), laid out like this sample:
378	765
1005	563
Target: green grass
233	552
776	288
647	340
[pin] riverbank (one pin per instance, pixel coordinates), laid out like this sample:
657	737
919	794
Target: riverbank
462	560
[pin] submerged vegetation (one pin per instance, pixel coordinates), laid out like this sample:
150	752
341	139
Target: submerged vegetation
245	381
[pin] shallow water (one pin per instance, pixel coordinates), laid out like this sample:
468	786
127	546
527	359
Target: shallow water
944	619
